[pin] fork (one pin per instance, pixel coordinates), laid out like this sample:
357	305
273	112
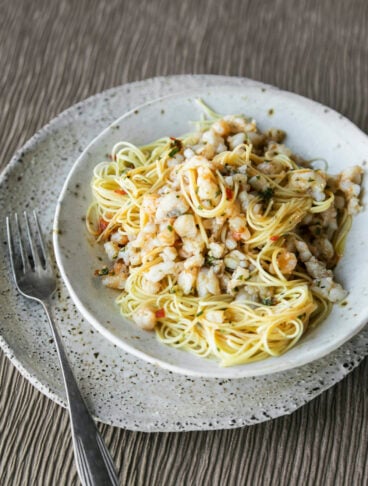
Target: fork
35	279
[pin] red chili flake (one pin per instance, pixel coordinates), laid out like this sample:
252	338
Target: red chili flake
120	191
236	236
102	225
274	238
160	313
229	193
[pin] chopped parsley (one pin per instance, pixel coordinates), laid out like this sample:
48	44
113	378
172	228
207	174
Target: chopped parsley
267	301
169	227
267	194
209	259
174	151
103	271
199	313
176	146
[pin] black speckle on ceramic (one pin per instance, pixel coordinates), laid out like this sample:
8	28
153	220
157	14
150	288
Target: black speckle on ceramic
119	388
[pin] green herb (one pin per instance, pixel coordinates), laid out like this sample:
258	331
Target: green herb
209	260
217	193
199	313
240	277
103	271
177	196
199	207
236	289
176	146
267	194
267	301
310	179
174	151
169	227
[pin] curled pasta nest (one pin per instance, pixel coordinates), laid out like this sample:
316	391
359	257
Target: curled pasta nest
222	241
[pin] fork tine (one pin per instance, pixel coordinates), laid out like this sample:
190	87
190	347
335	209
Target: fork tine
23	253
11	247
45	251
32	244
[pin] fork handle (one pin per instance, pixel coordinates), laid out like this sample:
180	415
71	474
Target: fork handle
94	463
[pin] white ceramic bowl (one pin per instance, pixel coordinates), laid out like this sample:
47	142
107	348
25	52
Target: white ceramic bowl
313	131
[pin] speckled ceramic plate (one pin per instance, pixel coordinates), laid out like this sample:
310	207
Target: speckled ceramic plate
120	389
311	133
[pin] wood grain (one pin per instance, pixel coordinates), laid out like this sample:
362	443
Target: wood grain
54	53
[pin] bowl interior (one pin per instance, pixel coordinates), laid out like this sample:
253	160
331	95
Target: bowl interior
313	131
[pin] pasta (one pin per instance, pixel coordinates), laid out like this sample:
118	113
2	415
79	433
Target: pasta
222	241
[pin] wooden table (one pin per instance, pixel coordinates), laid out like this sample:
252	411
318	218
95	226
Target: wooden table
55	53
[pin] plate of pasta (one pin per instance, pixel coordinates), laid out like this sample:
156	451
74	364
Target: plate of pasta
219	232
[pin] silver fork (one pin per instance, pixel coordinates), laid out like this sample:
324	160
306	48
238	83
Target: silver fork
34	277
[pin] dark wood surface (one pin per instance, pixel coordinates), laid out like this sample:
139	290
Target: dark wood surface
55	53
